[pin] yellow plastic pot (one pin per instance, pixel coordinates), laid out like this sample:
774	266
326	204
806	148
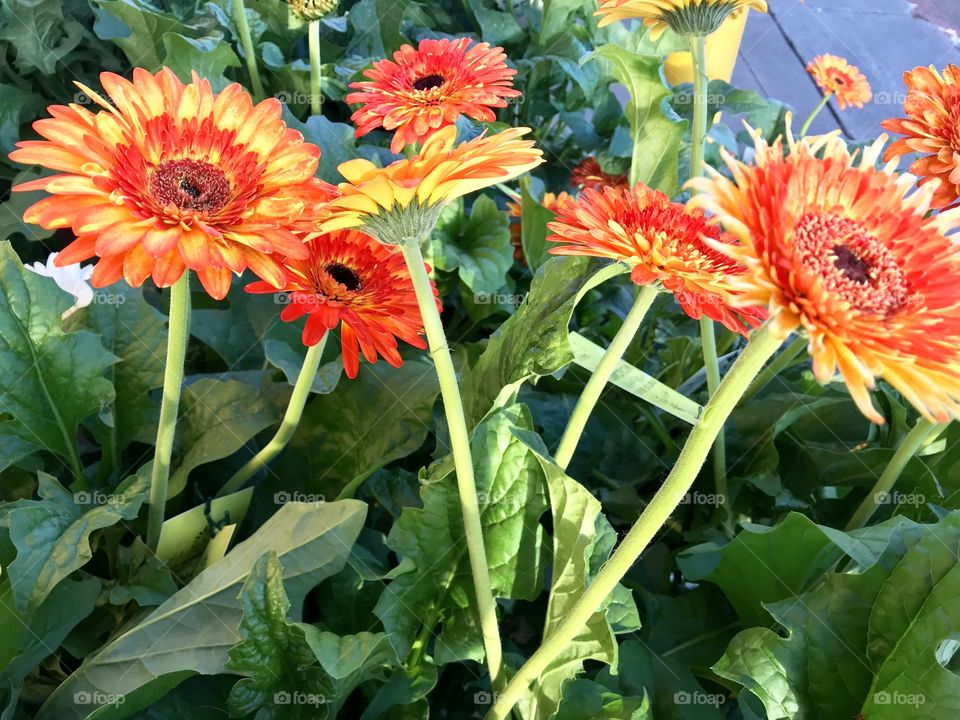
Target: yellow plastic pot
723	46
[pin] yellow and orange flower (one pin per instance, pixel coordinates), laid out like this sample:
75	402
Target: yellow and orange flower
835	76
554	202
684	17
425	89
847	253
663	242
375	197
172	176
931	128
589	174
350	279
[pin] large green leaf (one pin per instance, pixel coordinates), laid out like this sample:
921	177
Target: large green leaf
16	107
760	565
439	588
534	341
193	630
478	248
138	28
382	415
49	380
871	644
656	136
218	418
587	699
281	674
39	35
52	535
533	227
209	57
136	333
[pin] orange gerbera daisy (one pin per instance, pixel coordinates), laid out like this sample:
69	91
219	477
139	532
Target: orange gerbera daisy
553	202
835	76
684	17
172	176
932	128
426	89
662	241
352	280
846	252
404	198
589	174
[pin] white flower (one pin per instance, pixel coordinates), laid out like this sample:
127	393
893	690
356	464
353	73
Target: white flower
73	279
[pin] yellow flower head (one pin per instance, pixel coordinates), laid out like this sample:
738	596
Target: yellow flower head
684	17
402	200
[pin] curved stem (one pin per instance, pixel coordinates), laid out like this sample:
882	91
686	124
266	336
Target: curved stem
177	339
462	460
316	98
711	364
816	111
698	131
763	344
780	363
288	426
911	444
598	381
243	30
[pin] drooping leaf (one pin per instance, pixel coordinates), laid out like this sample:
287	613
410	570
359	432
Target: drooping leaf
193	630
439	588
867	644
533	342
656	136
49	380
52	535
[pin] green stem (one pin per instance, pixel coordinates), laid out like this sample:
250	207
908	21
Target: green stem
462	460
316	99
288	426
779	364
761	346
509	192
698	132
813	115
911	444
708	337
598	381
177	339
243	30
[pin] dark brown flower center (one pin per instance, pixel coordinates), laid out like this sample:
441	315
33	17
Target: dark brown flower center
852	263
428	82
190	185
344	275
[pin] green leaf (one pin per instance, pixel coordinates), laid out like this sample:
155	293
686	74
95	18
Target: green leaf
335	140
588	699
136	333
39	35
348	660
273	655
289	361
49	380
864	644
478	249
496	27
439	589
16	107
141	577
533	228
534	341
52	535
558	16
218	418
209	57
193	630
656	137
381	416
761	565
587	355
138	28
